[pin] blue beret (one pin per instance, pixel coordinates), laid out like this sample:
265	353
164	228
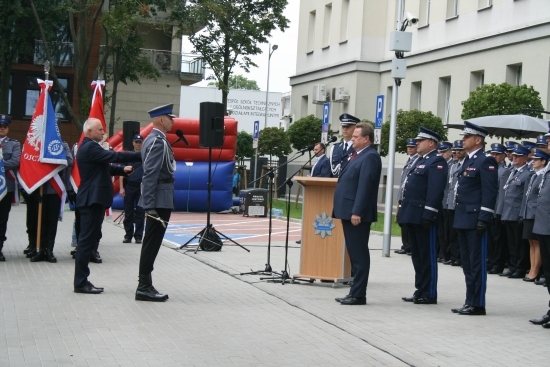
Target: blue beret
539	153
162	110
425	133
528	144
473	129
411	142
444	145
521	150
457	145
5	119
347	119
541	139
498	148
138	137
510	145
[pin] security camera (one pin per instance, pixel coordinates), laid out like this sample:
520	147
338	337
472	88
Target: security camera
413	19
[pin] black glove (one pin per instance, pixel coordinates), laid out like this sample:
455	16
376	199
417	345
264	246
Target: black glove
152	213
481	227
427	224
520	221
72	196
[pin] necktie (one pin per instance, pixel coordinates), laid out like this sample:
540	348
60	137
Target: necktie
345	147
353	156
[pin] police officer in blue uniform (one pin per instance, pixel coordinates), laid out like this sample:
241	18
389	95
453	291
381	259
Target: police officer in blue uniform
541	142
454	171
341	152
422	202
476	195
514	189
444	149
531	147
498	244
130	189
11	151
413	156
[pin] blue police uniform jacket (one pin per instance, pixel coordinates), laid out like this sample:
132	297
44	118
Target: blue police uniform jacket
529	202
476	191
514	190
340	157
542	213
423	189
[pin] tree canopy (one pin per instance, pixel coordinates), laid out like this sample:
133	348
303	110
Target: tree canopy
501	99
244	146
305	131
273	141
408	123
240	82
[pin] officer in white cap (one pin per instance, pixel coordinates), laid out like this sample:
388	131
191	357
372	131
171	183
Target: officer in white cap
342	151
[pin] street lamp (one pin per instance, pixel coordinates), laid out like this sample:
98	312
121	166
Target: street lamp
271	50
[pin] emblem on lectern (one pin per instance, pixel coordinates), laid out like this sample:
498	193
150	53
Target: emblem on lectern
323	225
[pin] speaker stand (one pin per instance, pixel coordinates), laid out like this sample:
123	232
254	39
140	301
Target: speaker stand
209	228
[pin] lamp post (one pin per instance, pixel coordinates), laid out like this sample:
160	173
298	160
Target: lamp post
271	50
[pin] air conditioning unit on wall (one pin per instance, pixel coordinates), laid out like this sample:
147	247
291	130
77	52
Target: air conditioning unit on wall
319	93
337	95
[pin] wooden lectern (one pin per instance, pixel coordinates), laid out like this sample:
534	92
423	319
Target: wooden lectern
322	258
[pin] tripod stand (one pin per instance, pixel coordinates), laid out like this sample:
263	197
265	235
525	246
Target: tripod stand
209	236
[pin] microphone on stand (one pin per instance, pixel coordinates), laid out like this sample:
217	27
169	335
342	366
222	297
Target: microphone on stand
332	140
179	133
306	149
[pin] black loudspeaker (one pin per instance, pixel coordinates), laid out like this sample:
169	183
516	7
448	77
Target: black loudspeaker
211	125
129	129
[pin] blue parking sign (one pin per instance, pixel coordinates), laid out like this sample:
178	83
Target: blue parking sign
379	111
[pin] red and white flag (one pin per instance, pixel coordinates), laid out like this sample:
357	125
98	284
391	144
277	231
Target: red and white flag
43	155
96	111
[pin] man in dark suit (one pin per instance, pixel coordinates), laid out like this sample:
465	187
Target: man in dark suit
422	202
476	195
341	153
355	204
321	167
95	194
157	199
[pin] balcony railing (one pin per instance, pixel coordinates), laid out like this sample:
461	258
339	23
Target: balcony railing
62	53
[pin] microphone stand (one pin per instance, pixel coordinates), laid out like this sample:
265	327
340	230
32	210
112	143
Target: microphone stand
268	270
284	276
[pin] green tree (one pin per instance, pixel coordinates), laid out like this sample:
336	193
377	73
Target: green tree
305	131
408	123
501	99
240	82
273	141
226	33
244	146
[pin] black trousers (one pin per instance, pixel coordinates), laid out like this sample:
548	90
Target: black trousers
404	235
473	253
154	233
498	246
91	219
454	247
357	243
5	208
133	214
544	242
424	259
519	251
51	203
444	225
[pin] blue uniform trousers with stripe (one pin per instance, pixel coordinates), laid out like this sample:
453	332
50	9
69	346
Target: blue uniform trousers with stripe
473	253
424	258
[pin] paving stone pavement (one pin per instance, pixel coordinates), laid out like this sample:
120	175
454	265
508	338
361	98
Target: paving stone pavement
217	317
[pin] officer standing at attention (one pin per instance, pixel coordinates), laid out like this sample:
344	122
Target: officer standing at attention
444	149
476	195
130	190
413	156
11	150
157	188
422	202
341	153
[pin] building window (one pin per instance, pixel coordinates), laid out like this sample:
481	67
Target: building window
416	96
424	13
483	4
304	106
452	8
389	96
513	74
327	25
311	32
32	92
443	99
477	79
9	95
344	16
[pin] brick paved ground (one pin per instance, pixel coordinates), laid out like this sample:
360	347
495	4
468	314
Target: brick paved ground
217	317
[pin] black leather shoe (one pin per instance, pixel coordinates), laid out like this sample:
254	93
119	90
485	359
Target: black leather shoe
541	281
100	288
506	273
38	256
457	310
447	262
527	279
342	298
354	301
408	299
26	251
472	311
517	275
398	251
409	253
31	253
95	258
138	240
127	240
89	289
73	252
2	258
49	257
456	263
496	270
546	326
543	320
425	301
401	252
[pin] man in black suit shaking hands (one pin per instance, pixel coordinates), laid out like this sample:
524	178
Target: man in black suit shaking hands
355	204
